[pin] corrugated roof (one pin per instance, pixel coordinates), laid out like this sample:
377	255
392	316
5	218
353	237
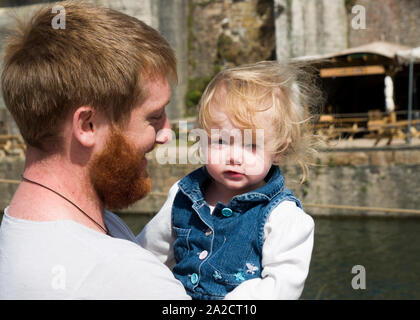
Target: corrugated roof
404	56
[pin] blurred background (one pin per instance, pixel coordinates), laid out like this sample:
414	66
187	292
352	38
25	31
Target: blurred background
363	190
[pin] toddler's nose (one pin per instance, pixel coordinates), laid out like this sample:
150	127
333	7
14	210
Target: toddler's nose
235	155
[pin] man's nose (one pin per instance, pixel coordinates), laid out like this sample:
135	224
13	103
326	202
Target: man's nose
165	133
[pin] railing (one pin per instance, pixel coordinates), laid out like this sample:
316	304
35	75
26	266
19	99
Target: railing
11	145
374	124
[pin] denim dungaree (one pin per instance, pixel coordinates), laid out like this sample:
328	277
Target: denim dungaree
216	252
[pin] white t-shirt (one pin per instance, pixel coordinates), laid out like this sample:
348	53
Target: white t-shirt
66	260
286	253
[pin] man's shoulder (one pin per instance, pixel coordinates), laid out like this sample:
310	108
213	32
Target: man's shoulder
129	271
90	264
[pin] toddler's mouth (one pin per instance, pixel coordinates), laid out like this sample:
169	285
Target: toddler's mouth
233	174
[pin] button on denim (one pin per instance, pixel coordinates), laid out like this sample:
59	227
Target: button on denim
232	235
194	278
226	212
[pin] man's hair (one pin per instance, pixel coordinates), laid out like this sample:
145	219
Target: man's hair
102	58
278	97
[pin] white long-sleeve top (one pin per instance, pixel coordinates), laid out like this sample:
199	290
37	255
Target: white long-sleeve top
286	253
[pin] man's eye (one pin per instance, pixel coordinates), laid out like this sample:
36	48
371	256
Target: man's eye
159	117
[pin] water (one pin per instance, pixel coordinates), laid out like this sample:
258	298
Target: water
388	249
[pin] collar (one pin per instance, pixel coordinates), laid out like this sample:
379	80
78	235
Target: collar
192	185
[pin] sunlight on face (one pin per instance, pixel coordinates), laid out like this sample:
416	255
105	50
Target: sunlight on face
235	158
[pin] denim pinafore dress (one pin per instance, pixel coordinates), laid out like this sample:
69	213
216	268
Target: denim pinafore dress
215	252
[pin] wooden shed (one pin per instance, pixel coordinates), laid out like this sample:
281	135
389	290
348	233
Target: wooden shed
370	82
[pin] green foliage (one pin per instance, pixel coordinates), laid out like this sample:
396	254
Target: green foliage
193	97
230	51
195	90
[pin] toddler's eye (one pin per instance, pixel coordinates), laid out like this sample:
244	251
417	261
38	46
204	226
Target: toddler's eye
219	142
251	146
222	141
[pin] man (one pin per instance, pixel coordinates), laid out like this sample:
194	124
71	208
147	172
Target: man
89	101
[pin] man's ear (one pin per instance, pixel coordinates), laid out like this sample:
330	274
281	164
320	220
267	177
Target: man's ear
85	126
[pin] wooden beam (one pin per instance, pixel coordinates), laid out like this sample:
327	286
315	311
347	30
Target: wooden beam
351	71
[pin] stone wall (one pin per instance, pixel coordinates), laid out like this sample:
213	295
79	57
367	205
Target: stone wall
384	179
309	27
228	33
395	21
387	179
224	33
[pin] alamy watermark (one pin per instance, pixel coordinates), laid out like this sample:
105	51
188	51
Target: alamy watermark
59	21
358	22
359	280
59	277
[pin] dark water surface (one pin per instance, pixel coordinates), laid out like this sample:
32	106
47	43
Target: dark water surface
388	249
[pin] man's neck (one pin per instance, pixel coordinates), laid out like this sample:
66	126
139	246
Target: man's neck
34	202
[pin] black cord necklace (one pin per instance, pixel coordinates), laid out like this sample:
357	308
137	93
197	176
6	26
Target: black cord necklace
41	185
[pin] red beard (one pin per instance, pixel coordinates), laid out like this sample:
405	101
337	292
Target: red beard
118	173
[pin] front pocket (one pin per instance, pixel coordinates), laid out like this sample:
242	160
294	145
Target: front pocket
231	279
181	244
232	265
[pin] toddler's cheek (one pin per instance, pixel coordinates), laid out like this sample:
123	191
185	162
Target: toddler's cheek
254	164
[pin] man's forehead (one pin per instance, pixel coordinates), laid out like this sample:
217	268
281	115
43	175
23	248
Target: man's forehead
158	95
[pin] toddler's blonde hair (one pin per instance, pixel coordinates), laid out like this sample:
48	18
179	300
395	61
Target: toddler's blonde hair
275	96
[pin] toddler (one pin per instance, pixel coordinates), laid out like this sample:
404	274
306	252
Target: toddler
231	229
